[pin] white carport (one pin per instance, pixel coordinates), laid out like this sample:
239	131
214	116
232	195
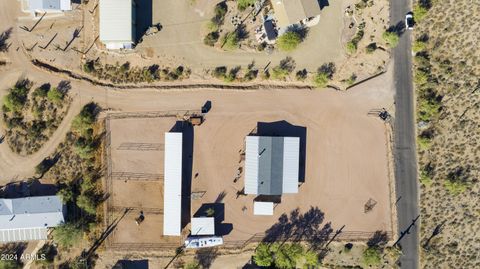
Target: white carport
172	203
203	226
263	208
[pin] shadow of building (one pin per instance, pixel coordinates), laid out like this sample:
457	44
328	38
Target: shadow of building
143	18
187	163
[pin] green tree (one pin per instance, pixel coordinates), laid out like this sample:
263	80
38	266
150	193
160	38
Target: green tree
419	12
419	46
55	95
320	80
311	260
263	256
230	41
17	96
287	256
391	38
243	4
9	264
192	265
87	203
67	235
371	256
289	41
83	122
211	38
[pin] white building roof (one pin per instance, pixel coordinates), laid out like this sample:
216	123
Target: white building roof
56	5
271	165
290	12
116	27
203	226
263	208
172	203
28	218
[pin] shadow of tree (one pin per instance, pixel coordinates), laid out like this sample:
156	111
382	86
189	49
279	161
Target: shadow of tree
206	256
379	239
301	227
4	36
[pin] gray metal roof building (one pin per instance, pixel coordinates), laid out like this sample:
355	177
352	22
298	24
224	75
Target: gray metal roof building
272	165
24	219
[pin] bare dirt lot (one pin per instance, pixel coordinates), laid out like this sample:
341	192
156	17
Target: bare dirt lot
136	181
346	162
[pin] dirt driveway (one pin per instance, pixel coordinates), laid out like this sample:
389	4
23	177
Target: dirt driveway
181	38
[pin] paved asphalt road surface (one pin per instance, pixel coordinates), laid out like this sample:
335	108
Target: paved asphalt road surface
405	151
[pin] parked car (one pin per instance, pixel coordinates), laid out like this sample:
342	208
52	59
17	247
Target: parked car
409	21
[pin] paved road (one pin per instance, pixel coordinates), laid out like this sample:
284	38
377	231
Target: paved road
405	151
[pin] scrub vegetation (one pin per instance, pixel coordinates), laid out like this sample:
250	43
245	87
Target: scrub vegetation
446	72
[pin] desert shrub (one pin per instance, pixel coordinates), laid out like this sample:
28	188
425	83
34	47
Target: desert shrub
67	235
9	264
55	95
301	75
323	75
391	38
457	180
282	70
353	44
351	79
220	72
419	12
219	16
89	66
289	41
419	46
428	109
232	74
192	265
371	47
211	38
85	147
17	96
371	256
230	41
83	122
42	91
243	4
48	251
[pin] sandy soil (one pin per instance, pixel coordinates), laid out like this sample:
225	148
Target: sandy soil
339	177
143	194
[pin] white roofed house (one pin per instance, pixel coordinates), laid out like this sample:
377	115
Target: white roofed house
24	219
46	5
291	12
117	23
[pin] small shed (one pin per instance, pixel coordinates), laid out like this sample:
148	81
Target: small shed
203	226
263	208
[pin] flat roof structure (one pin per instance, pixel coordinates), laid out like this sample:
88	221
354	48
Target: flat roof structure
272	165
263	208
117	18
24	219
172	203
203	226
49	5
290	12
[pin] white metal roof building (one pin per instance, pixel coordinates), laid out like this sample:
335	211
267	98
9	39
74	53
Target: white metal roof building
47	5
117	20
263	208
172	198
203	226
271	165
290	12
24	219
